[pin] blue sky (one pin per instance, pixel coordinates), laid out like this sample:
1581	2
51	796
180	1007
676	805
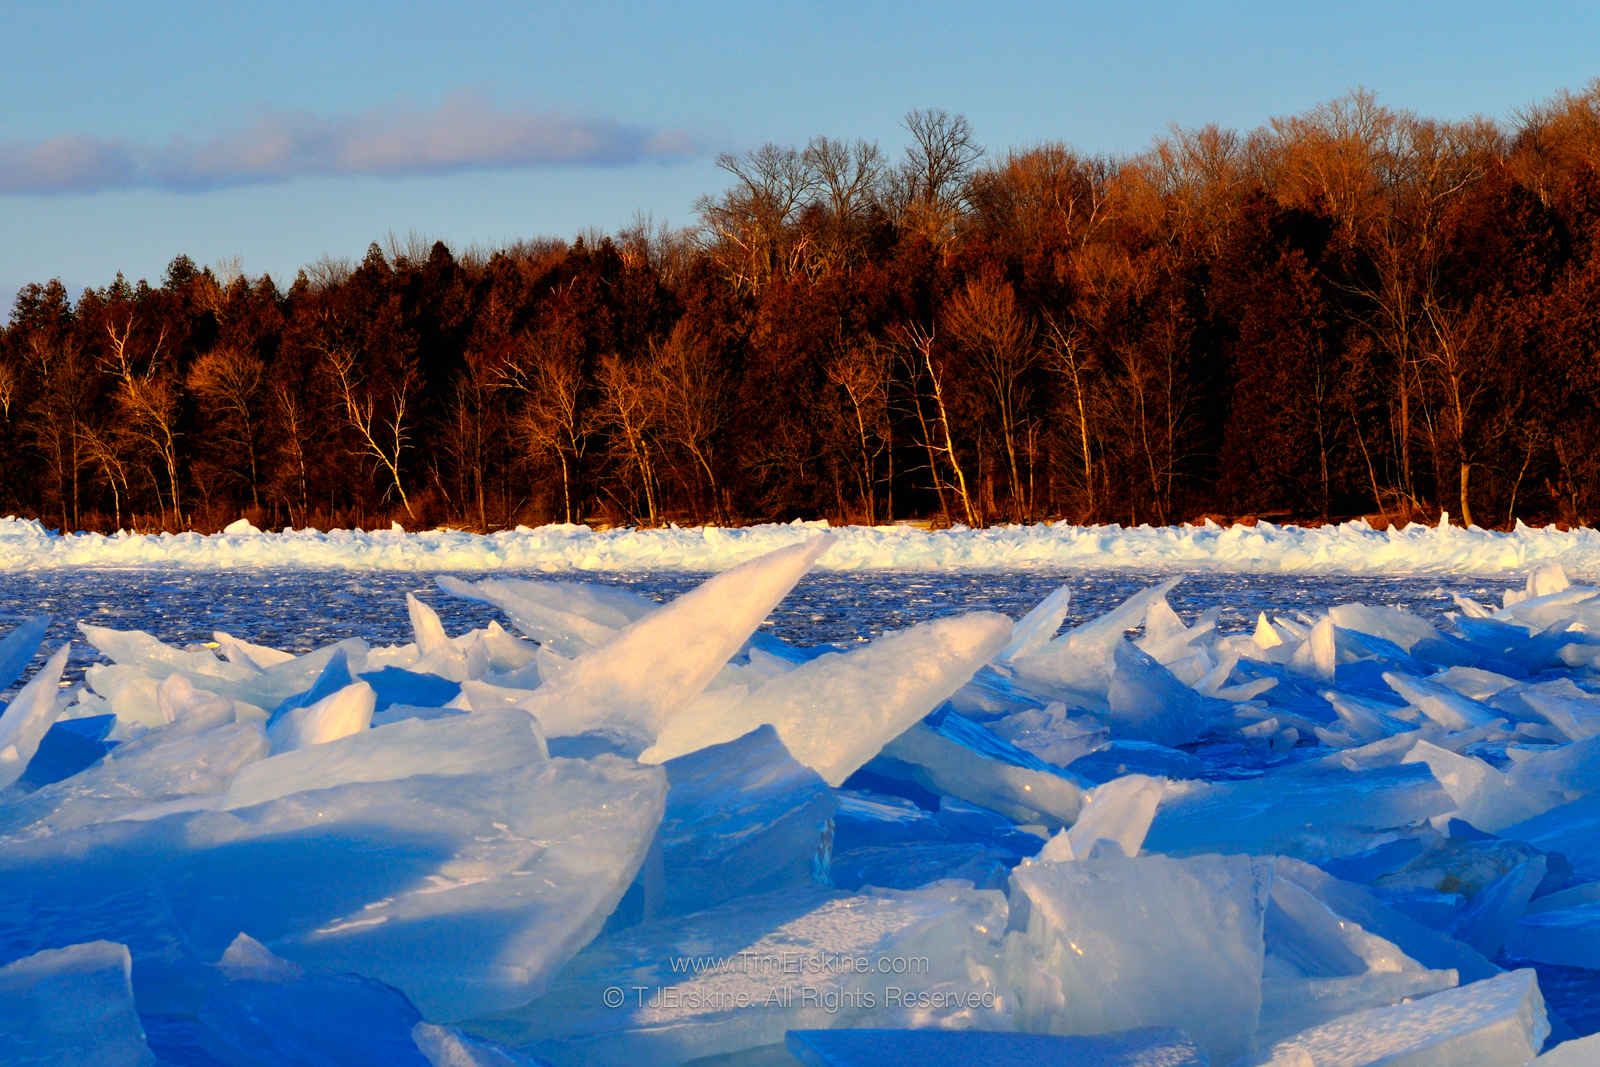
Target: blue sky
281	133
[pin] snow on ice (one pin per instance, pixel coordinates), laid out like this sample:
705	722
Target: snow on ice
1353	547
618	832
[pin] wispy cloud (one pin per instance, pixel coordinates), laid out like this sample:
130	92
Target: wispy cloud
465	132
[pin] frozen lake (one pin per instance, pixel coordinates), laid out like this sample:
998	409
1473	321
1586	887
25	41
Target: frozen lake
1302	753
299	610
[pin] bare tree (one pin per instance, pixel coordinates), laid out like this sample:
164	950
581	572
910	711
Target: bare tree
1387	178
10	379
1069	357
1462	345
862	373
470	422
286	399
229	380
147	398
916	346
377	413
846	175
984	318
748	226
626	411
938	163
550	418
688	387
104	453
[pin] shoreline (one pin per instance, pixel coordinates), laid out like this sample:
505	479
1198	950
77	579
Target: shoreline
1354	547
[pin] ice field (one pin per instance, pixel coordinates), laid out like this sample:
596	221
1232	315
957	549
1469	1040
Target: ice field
791	814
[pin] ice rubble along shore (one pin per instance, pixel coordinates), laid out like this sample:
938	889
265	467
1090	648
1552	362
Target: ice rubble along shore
638	834
1350	548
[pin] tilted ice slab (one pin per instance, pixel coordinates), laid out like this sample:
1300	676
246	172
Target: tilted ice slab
742	817
253	1008
24	721
1306	812
739	976
464	891
631	686
1498	1022
1353	547
1102	945
69	1006
835	712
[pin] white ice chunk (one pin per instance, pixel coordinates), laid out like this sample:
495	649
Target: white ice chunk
235	650
835	712
655	667
179	702
1119	811
568	617
1114	944
1080	661
1365	720
1264	636
1498	1022
1484	796
135	648
1399	627
1318	653
170	766
1052	734
70	1007
1443	705
426	629
1037	628
946	766
480	743
1147	703
1474	683
1543	581
1583	1052
29	715
1358	905
337	715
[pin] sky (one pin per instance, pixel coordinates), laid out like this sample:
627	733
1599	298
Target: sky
278	134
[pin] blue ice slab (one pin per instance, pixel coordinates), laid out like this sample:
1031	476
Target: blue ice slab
1572	830
1308	813
1123	756
335	676
394	685
742	817
66	749
18	647
314	1020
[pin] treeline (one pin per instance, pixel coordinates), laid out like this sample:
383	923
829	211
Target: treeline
1355	310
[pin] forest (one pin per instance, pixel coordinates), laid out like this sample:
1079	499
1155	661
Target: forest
1352	311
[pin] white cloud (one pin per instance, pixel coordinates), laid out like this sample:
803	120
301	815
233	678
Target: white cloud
465	132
